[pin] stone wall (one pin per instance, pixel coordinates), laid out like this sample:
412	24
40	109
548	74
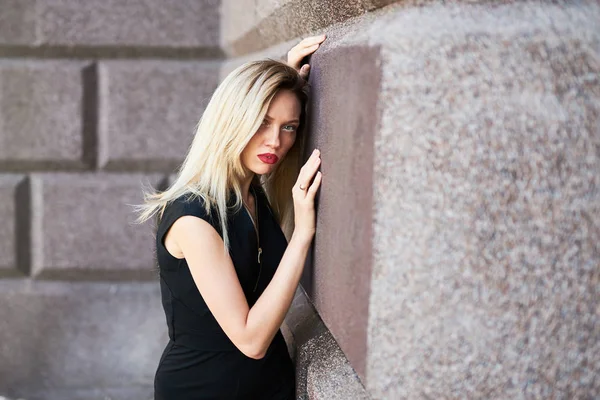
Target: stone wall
96	98
458	225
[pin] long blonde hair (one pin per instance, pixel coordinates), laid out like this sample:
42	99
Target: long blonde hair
212	168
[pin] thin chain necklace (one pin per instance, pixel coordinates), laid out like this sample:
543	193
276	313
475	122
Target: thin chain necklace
257	234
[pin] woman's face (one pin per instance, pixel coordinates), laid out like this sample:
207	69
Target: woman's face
276	135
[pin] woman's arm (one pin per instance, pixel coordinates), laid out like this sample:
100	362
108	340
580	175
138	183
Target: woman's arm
250	329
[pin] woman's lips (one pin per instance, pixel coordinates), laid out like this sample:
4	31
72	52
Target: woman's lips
268	158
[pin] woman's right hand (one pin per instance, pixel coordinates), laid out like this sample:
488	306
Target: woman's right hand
305	48
304	193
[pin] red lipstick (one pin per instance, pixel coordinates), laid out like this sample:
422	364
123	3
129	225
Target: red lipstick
268	158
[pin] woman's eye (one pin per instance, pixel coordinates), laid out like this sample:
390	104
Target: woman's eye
290	128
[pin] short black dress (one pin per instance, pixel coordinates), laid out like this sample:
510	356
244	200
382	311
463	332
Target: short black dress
200	362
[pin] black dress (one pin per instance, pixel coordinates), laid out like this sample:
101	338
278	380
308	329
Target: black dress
200	362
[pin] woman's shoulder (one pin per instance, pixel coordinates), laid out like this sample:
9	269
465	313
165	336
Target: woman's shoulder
189	204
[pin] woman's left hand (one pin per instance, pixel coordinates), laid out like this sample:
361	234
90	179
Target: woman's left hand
306	47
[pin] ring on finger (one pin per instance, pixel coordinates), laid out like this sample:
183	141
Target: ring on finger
301	187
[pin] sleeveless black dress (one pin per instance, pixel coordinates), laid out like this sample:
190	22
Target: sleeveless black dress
200	362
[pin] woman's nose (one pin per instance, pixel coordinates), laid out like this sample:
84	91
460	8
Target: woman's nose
273	136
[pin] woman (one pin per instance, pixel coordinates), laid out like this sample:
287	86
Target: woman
227	273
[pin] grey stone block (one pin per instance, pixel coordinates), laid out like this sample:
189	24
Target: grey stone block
148	111
17	22
9	185
57	338
486	203
41	114
185	23
83	226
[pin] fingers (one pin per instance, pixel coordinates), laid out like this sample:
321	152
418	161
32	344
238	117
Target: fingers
316	183
304	71
306	47
307	50
308	170
296	55
312	40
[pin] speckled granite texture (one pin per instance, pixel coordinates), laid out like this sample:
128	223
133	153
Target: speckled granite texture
486	208
322	369
486	252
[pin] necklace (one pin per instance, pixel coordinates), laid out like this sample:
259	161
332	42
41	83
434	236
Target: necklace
257	233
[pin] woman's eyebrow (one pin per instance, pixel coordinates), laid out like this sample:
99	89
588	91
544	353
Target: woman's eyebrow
288	122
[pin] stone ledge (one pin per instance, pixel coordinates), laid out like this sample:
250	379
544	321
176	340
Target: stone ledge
322	370
121	52
271	22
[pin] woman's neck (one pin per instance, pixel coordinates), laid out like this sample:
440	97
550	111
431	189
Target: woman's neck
246	183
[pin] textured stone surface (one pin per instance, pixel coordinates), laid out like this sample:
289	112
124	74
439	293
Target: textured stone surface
17	21
148	111
240	17
40	114
184	23
137	392
84	226
486	203
8	230
58	337
329	375
487	210
343	124
302	320
246	28
277	52
322	370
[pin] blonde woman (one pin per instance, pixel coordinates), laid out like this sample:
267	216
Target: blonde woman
227	272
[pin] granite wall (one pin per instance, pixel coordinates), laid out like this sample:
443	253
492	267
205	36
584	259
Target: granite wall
458	225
